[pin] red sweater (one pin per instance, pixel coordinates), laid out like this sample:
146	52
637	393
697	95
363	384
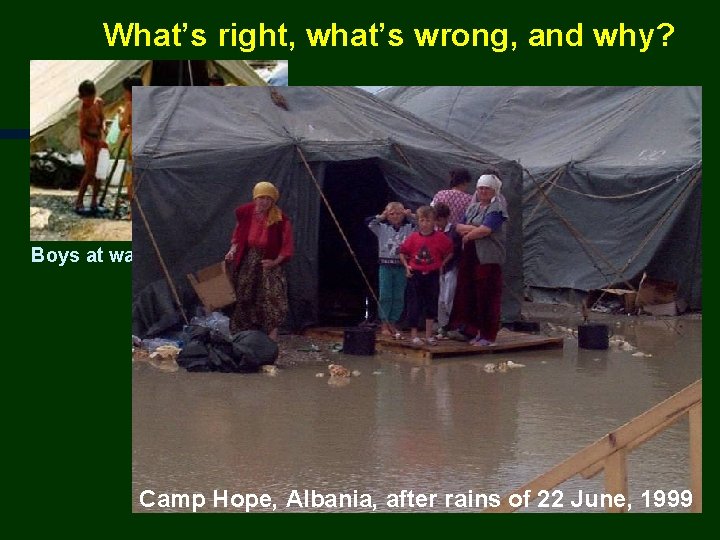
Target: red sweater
279	235
426	253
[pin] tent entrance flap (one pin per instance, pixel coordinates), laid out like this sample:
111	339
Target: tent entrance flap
354	190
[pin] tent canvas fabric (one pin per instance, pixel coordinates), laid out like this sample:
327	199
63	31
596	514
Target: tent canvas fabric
613	175
199	151
54	86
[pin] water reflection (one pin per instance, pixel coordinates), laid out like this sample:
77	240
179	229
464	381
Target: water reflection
449	416
449	427
591	362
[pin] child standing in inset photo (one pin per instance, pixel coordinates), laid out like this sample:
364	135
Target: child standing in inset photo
92	139
126	126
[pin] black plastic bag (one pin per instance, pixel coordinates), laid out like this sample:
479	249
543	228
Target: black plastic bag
209	350
255	348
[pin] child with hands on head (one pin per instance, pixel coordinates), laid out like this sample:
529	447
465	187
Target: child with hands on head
391	227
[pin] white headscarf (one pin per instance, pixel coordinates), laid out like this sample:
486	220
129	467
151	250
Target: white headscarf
491	181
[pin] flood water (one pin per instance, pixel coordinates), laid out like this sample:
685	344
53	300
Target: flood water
449	428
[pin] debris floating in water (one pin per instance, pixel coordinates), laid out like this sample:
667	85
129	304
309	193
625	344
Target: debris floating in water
336	370
270	370
620	343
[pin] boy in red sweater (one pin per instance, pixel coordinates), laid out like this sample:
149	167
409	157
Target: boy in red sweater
424	253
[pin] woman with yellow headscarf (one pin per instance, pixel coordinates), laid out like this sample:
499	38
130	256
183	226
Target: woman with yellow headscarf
261	245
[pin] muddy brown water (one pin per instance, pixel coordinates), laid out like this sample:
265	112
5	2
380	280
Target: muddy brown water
449	430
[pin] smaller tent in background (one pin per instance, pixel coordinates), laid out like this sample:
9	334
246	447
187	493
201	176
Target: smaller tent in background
198	154
54	86
613	184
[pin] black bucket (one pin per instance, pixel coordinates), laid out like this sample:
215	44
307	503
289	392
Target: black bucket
593	336
360	341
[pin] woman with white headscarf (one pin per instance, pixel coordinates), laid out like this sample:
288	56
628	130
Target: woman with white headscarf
478	296
261	245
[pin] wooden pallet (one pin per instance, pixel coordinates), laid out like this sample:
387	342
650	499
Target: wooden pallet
506	341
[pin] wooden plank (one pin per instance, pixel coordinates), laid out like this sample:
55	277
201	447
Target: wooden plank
616	482
607	445
597	467
507	341
696	457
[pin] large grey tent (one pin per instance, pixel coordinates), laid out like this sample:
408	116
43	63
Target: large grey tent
613	175
199	151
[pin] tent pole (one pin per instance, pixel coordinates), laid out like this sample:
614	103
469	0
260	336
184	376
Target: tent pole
173	289
112	170
401	154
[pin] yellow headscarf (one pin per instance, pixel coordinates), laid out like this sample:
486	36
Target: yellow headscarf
267	189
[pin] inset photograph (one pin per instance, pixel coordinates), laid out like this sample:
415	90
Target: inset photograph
81	136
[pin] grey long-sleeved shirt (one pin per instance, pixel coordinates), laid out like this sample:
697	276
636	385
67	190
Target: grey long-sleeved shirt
390	238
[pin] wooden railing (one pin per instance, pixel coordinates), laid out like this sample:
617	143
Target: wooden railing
610	454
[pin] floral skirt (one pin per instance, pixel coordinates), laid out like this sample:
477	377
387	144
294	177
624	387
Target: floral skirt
262	302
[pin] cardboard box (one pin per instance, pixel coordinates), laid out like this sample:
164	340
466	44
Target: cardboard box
213	286
628	297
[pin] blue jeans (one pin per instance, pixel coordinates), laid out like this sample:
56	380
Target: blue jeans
392	292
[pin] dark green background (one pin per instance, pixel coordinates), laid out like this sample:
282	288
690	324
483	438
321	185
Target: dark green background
68	387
